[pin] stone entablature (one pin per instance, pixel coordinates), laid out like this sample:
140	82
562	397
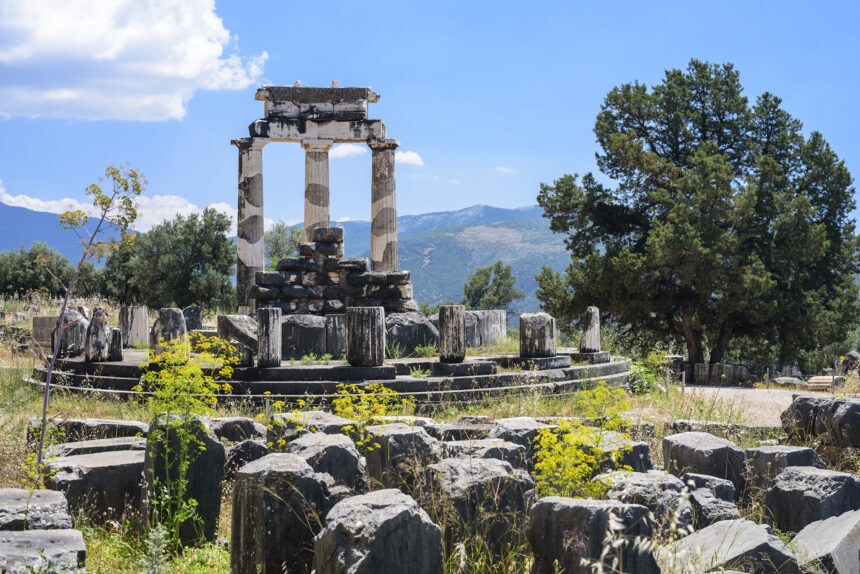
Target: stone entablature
322	281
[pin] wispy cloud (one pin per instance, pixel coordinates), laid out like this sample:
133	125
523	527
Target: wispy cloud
408	158
501	169
115	59
347	150
454	181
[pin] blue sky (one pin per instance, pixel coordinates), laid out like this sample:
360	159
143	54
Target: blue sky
494	97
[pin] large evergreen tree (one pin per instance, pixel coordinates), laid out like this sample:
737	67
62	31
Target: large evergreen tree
491	287
723	220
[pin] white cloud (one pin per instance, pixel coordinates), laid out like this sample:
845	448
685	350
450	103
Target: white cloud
408	158
454	181
505	170
347	150
342	219
115	59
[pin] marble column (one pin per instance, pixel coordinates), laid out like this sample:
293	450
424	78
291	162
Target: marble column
383	227
316	185
249	225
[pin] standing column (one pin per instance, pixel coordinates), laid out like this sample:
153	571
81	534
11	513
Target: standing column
249	225
316	185
383	211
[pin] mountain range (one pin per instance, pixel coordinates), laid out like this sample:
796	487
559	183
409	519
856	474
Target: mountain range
441	249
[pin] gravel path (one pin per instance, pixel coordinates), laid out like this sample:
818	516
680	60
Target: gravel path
753	405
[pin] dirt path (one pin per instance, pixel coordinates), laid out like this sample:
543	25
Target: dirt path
752	405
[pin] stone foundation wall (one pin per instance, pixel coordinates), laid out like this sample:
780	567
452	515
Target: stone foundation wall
321	281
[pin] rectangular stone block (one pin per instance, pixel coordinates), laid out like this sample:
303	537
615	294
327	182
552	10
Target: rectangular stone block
367	278
42	551
298	264
397	277
42	328
335	334
327	235
358	264
391	292
269	278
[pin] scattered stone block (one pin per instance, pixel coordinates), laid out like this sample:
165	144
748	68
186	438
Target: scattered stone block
563	532
704	453
334	454
463	428
381	532
590	342
303	334
708	508
193	317
833	543
169	325
115	351
766	462
513	454
657	490
409	330
289	426
278	505
452	333
801	495
241	328
31	551
134	326
241	454
97	343
42	329
537	335
486	328
204	474
73	340
720	487
850	362
397	450
96	446
102	485
88	429
237	429
518	430
21	509
365	336
626	452
734	544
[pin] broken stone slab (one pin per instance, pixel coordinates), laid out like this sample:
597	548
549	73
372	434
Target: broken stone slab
101	485
485	328
657	490
720	487
766	462
303	334
708	508
169	325
564	532
590	342
335	334
22	509
288	426
704	453
241	454
96	446
115	350
833	543
733	544
808	417
237	429
97	343
397	450
193	317
278	506
334	454
73	340
134	326
204	474
801	495
725	430
537	335
327	234
241	328
88	429
518	430
382	532
461	430
407	331
625	451
513	454
30	551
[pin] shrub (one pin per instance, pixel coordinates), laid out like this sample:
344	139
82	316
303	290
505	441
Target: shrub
364	405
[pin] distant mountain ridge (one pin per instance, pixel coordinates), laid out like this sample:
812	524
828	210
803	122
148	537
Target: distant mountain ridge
441	249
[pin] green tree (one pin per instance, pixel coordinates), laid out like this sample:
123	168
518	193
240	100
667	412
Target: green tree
182	261
282	241
32	270
724	220
491	287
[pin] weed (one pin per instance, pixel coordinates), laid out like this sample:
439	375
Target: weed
419	373
364	405
425	351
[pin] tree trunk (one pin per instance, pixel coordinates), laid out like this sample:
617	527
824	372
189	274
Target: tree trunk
722	342
693	338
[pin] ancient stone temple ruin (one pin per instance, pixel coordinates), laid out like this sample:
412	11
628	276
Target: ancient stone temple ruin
317	118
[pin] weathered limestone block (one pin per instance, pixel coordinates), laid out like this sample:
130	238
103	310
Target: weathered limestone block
657	490
590	342
565	531
850	362
241	328
798	420
31	551
801	495
97	343
269	337
462	428
397	450
84	311
243	354
382	532
193	317
73	340
708	508
278	503
289	426
537	335
115	350
358	264
101	485
720	487
204	474
170	325
334	454
734	544
485	327
96	445
42	329
237	429
134	326
513	454
303	334
704	453
297	264
833	543
88	429
241	454
518	430
452	333
327	235
766	462
335	334
22	509
365	336
626	452
409	330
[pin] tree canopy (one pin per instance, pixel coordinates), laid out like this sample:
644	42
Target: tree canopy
282	241
722	220
491	287
27	271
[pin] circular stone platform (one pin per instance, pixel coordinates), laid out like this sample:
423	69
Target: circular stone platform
474	379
